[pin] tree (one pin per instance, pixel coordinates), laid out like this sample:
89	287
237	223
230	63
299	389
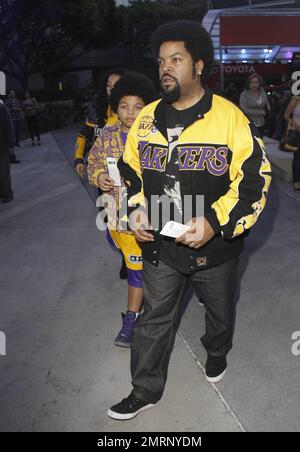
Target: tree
44	35
142	17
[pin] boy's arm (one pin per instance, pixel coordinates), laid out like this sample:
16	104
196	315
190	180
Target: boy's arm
96	162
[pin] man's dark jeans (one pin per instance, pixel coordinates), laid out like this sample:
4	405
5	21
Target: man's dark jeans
155	330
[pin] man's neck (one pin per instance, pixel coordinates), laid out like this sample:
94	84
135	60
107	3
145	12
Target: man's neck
190	99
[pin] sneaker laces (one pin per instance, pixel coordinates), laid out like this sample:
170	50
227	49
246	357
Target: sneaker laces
132	400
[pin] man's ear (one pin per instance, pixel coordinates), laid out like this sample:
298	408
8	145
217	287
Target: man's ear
199	67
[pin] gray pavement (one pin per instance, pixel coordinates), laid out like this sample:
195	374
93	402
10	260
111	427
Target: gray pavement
60	311
281	161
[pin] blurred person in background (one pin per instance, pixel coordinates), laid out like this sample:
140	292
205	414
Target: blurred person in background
15	109
100	114
254	102
129	96
7	141
283	100
31	110
171	152
231	92
293	112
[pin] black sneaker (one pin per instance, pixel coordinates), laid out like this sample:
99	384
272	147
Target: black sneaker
128	408
215	368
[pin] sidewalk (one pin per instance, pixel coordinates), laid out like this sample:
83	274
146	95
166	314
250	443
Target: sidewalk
281	161
61	301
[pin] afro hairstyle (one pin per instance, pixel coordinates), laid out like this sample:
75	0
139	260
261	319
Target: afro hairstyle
132	84
196	39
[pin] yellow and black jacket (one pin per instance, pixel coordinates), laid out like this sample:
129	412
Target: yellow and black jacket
89	132
221	156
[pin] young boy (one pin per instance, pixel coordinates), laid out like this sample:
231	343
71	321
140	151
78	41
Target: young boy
129	96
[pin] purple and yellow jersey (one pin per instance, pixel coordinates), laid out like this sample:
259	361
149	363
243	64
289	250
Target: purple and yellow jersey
89	132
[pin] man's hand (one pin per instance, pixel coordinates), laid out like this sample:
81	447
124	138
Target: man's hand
198	235
79	168
139	224
105	182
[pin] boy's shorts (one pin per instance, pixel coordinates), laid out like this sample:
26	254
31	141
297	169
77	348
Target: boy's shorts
127	244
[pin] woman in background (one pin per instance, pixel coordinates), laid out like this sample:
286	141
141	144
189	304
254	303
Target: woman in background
15	109
254	102
31	109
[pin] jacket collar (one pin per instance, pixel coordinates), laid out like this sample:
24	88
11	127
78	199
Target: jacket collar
160	112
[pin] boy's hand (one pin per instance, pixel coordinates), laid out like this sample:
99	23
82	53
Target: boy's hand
105	182
79	168
139	224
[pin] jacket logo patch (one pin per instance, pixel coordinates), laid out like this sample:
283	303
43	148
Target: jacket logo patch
146	127
199	158
135	259
201	261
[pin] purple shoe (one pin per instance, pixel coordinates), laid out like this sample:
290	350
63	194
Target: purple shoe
125	335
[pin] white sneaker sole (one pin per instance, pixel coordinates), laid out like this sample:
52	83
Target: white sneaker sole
125	417
216	379
122	344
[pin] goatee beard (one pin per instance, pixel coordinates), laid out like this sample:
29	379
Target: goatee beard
171	96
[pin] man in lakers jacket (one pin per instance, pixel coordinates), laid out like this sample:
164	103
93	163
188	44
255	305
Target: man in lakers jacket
190	143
